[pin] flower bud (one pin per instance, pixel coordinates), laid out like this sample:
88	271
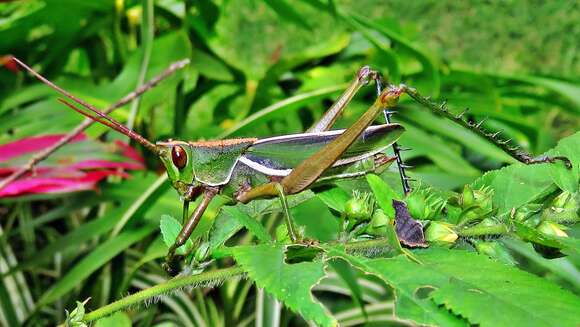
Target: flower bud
440	232
119	5
77	316
477	208
423	204
488	222
378	224
467	198
134	16
525	212
564	208
552	229
359	208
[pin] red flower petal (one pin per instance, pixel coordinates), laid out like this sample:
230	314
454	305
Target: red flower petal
128	151
31	144
35	184
105	164
9	64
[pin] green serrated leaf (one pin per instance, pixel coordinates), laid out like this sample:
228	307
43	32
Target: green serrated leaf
519	184
250	223
170	228
408	306
492	294
93	261
516	185
289	283
567	179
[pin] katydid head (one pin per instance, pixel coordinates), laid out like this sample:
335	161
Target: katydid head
177	158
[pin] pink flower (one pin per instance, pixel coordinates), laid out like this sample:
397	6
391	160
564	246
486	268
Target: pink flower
77	166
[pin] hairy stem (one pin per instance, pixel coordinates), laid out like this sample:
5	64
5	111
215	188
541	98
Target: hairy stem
173	284
216	276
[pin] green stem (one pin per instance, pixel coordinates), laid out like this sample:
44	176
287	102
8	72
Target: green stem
164	288
370	244
484	230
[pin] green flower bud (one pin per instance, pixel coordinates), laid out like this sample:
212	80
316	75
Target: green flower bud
378	224
481	206
440	232
467	198
488	222
564	208
424	204
563	200
552	229
77	316
359	208
525	212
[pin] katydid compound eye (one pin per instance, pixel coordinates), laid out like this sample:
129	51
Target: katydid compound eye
179	156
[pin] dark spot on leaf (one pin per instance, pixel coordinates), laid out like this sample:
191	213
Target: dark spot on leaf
301	253
409	231
424	292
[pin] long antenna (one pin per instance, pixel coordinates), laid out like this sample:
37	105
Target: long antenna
94	114
109	122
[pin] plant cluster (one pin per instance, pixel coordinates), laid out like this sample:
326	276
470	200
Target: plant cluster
500	243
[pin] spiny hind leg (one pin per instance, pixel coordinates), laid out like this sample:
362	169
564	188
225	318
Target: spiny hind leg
514	151
397	149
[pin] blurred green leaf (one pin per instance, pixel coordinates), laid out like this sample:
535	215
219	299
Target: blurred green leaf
241	23
280	109
211	67
93	261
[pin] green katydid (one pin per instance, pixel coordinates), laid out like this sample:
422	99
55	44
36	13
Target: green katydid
250	168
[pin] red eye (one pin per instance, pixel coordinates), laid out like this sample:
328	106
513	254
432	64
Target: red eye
179	157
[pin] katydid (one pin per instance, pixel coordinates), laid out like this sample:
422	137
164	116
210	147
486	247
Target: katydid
245	169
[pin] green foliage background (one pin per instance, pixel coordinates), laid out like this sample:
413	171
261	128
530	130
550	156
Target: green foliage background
270	68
